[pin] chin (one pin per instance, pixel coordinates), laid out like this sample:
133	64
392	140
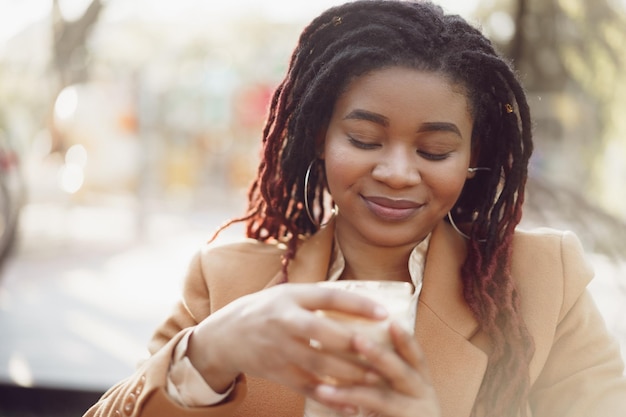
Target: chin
390	238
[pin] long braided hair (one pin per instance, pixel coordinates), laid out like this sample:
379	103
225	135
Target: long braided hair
359	37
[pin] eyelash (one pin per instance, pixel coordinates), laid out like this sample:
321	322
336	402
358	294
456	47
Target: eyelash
425	155
434	156
362	145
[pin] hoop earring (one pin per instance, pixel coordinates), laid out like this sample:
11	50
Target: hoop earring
455	227
471	170
309	213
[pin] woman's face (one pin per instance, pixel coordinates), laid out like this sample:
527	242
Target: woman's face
396	152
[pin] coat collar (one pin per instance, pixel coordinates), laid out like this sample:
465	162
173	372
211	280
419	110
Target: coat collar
442	280
445	325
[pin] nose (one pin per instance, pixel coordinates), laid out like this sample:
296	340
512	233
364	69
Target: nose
397	167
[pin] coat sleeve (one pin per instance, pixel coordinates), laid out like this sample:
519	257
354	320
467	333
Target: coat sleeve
144	394
584	372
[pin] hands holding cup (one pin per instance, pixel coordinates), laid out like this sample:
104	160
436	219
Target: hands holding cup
398	298
387	347
332	346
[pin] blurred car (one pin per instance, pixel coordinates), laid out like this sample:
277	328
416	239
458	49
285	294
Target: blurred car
12	195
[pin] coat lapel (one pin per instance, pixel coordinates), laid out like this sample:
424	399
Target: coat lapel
312	258
445	326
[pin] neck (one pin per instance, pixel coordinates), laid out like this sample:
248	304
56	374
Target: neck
375	263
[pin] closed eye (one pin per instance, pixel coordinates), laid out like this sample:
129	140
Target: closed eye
434	156
362	145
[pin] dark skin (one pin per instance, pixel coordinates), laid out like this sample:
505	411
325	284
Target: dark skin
393	381
397	151
286	314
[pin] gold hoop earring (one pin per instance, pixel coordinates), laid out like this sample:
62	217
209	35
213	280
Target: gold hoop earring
309	212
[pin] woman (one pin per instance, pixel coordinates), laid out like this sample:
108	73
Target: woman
396	148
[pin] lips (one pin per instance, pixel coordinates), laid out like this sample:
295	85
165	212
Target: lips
391	209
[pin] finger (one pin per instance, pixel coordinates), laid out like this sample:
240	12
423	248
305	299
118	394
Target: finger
341	372
328	396
391	366
330	331
375	400
317	330
329	367
407	347
358	398
297	379
314	297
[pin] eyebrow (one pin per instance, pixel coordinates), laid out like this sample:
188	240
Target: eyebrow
440	127
360	114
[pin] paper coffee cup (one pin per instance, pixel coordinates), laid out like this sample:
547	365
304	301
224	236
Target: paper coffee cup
400	300
396	296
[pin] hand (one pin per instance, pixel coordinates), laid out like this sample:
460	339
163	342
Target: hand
407	389
267	334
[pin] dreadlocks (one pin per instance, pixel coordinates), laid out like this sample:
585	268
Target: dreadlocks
354	39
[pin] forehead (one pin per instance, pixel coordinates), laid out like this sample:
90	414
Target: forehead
405	92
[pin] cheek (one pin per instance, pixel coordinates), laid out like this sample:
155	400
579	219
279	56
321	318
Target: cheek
339	172
342	168
449	180
448	186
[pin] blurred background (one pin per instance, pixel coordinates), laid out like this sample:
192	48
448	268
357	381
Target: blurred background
130	129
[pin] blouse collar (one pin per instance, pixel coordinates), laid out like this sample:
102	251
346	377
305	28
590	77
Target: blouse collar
416	263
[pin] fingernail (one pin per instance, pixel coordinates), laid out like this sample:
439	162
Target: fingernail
326	390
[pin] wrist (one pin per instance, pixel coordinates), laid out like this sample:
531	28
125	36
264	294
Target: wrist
209	363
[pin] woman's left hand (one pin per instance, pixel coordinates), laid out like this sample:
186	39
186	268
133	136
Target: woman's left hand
401	384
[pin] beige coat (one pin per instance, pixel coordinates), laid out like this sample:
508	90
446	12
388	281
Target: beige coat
576	371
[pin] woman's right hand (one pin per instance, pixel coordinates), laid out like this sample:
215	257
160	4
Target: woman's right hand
268	335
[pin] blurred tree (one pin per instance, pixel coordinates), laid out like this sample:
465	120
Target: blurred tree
569	54
69	42
571	45
70	56
560	41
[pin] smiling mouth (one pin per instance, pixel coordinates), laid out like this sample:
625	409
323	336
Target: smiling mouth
390	209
